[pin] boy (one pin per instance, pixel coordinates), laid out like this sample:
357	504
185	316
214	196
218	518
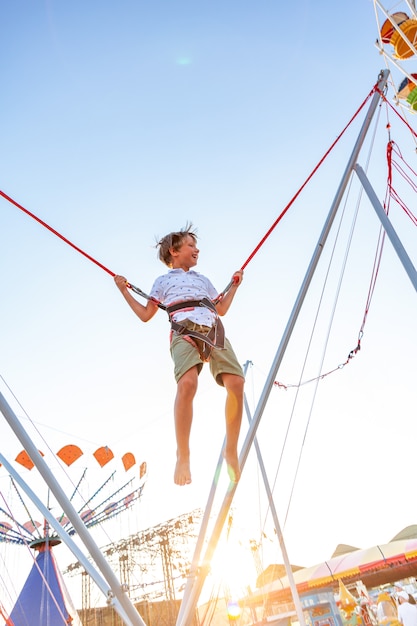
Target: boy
196	337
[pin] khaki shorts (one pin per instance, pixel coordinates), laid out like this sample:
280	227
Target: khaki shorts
185	356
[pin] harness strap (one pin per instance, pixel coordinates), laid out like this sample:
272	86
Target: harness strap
187	304
204	342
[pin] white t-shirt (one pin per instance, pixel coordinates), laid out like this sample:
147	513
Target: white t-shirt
179	286
407	614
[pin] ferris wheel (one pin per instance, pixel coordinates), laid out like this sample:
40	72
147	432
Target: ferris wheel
397	42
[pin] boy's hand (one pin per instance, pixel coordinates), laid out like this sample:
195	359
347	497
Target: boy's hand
237	278
121	283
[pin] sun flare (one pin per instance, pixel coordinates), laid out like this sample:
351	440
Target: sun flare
233	570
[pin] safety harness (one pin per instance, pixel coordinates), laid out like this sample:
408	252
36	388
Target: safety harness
203	341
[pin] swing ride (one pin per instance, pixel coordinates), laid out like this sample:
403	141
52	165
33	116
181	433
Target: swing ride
44	598
91	510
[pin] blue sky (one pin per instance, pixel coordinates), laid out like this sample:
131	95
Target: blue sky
121	122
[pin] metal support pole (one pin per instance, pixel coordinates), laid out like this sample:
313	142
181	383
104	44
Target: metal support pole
287	564
387	226
76	521
199	582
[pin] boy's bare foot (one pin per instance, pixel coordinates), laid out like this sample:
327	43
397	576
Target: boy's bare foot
233	468
182	474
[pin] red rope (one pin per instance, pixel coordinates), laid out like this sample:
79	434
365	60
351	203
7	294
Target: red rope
396	112
55	232
392	151
291	202
260	244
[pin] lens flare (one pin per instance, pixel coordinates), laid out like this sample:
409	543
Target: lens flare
183	60
233	609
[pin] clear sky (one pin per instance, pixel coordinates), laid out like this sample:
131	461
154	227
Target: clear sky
121	122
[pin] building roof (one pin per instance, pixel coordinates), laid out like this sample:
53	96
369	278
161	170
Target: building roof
375	566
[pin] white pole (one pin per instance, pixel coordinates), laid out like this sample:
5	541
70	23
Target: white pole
287	563
388	227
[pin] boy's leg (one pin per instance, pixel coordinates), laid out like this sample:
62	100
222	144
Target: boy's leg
183	412
234	408
187	365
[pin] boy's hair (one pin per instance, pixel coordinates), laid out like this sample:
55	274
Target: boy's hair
175	241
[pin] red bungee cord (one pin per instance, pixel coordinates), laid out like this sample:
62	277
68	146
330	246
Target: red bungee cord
293	199
67	241
307	180
260	244
55	232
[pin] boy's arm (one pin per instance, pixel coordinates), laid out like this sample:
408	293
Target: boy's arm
224	304
144	313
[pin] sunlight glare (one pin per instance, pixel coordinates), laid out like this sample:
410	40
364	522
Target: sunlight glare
233	570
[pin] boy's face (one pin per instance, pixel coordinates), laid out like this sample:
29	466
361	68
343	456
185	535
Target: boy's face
187	255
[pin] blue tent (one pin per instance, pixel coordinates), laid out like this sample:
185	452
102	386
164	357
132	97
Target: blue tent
44	599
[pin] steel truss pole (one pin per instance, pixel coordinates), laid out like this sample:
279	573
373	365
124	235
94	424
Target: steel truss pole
194	593
387	226
61	497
